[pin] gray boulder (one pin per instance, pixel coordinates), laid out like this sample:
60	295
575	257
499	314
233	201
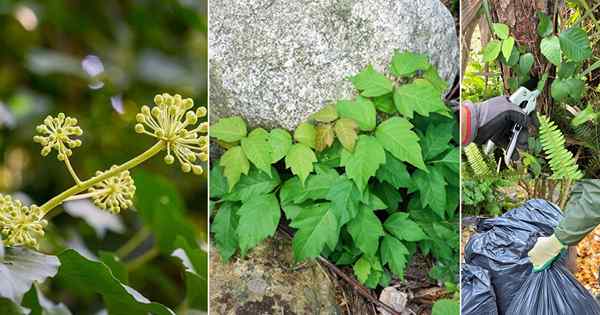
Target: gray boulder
275	62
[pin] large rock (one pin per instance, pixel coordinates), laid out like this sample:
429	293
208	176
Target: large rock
275	62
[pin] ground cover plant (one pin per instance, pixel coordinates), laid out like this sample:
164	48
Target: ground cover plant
365	183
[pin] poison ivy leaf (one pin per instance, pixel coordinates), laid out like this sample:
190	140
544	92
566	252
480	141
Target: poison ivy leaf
446	307
432	189
195	261
436	139
399	225
300	159
234	163
362	269
280	141
253	184
290	190
501	30
368	270
230	129
525	63
317	185
575	44
324	137
258	149
20	267
491	51
306	134
550	48
292	210
345	199
433	77
385	103
360	110
419	96
394	172
345	130
364	161
365	230
372	83
395	254
326	114
116	266
451	160
371	200
397	137
507	47
572	88
95	276
162	209
407	63
566	69
224	228
544	27
584	116
388	194
218	182
330	157
258	219
316	226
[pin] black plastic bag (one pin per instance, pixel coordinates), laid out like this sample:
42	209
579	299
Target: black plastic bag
477	292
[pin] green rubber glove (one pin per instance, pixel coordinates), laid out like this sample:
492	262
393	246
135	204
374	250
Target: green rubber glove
545	252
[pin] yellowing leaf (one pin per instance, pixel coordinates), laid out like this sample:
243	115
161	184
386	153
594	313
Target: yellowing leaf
324	137
306	134
327	114
345	130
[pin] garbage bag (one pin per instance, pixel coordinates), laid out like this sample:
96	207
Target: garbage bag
477	292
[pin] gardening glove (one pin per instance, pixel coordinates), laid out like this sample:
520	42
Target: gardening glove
545	252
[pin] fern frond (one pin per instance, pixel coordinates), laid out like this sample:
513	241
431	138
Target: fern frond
476	160
561	160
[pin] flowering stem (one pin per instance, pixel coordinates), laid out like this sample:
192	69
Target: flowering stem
72	171
83	186
86	195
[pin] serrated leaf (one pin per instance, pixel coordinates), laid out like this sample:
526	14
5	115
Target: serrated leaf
437	139
395	254
399	225
218	182
317	186
253	184
397	137
234	163
550	48
451	160
366	230
326	114
300	159
544	27
290	190
501	30
324	137
361	110
372	83
258	149
419	96
224	228
229	129
258	219
306	134
363	163
385	103
446	307
575	44
345	199
372	201
507	47
407	63
345	130
317	226
525	63
434	78
388	194
432	189
491	51
362	269
394	172
280	141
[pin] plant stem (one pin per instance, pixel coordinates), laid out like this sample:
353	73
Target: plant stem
138	238
59	199
72	171
86	195
142	259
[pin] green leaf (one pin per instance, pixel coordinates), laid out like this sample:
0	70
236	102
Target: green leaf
317	226
446	307
224	228
372	201
258	219
407	63
397	137
300	159
571	88
366	230
542	82
432	189
437	139
38	303
20	267
362	269
116	266
525	63
566	69
253	184
280	141
234	163
364	161
345	199
501	30
584	116
388	194
306	134
218	182
433	77
385	103
258	149
162	209
395	254
491	51
394	172
360	110
345	130
119	298
544	27
421	97
399	225
8	307
507	47
451	160
317	185
550	48
326	114
372	83
230	129
575	44
195	261
290	190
